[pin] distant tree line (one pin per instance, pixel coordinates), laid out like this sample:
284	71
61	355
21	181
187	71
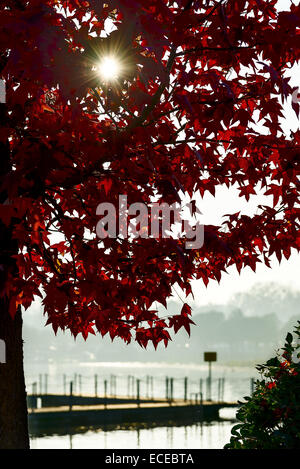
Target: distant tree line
235	336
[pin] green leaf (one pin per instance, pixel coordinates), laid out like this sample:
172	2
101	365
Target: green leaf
273	362
234	430
289	338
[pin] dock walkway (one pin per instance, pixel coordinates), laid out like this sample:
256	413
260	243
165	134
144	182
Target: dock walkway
86	411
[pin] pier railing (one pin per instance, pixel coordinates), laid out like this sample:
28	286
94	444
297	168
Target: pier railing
146	387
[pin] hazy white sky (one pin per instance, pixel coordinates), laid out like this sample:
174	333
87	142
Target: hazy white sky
228	201
287	272
285	4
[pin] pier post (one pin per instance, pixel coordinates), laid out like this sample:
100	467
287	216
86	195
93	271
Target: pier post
185	389
65	384
171	389
34	398
75	383
33	401
207	389
209	381
209	357
138	391
201	406
201	385
167	388
71	396
96	385
105	393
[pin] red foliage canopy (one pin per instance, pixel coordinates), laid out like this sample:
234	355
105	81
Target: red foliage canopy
181	118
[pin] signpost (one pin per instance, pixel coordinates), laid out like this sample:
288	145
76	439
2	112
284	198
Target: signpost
209	357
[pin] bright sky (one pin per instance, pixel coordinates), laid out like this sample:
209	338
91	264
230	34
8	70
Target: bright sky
285	273
285	4
228	201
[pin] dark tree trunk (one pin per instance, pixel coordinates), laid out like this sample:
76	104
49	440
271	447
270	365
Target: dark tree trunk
13	405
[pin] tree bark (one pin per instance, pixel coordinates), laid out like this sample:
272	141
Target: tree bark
13	404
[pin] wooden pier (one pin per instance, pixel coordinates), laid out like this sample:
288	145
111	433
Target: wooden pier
58	412
122	401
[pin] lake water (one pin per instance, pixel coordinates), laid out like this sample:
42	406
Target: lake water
213	435
198	436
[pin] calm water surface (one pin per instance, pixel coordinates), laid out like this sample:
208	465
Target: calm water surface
206	436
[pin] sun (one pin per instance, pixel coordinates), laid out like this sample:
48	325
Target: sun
109	68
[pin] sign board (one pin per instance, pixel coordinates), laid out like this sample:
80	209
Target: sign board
2	92
2	351
210	356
